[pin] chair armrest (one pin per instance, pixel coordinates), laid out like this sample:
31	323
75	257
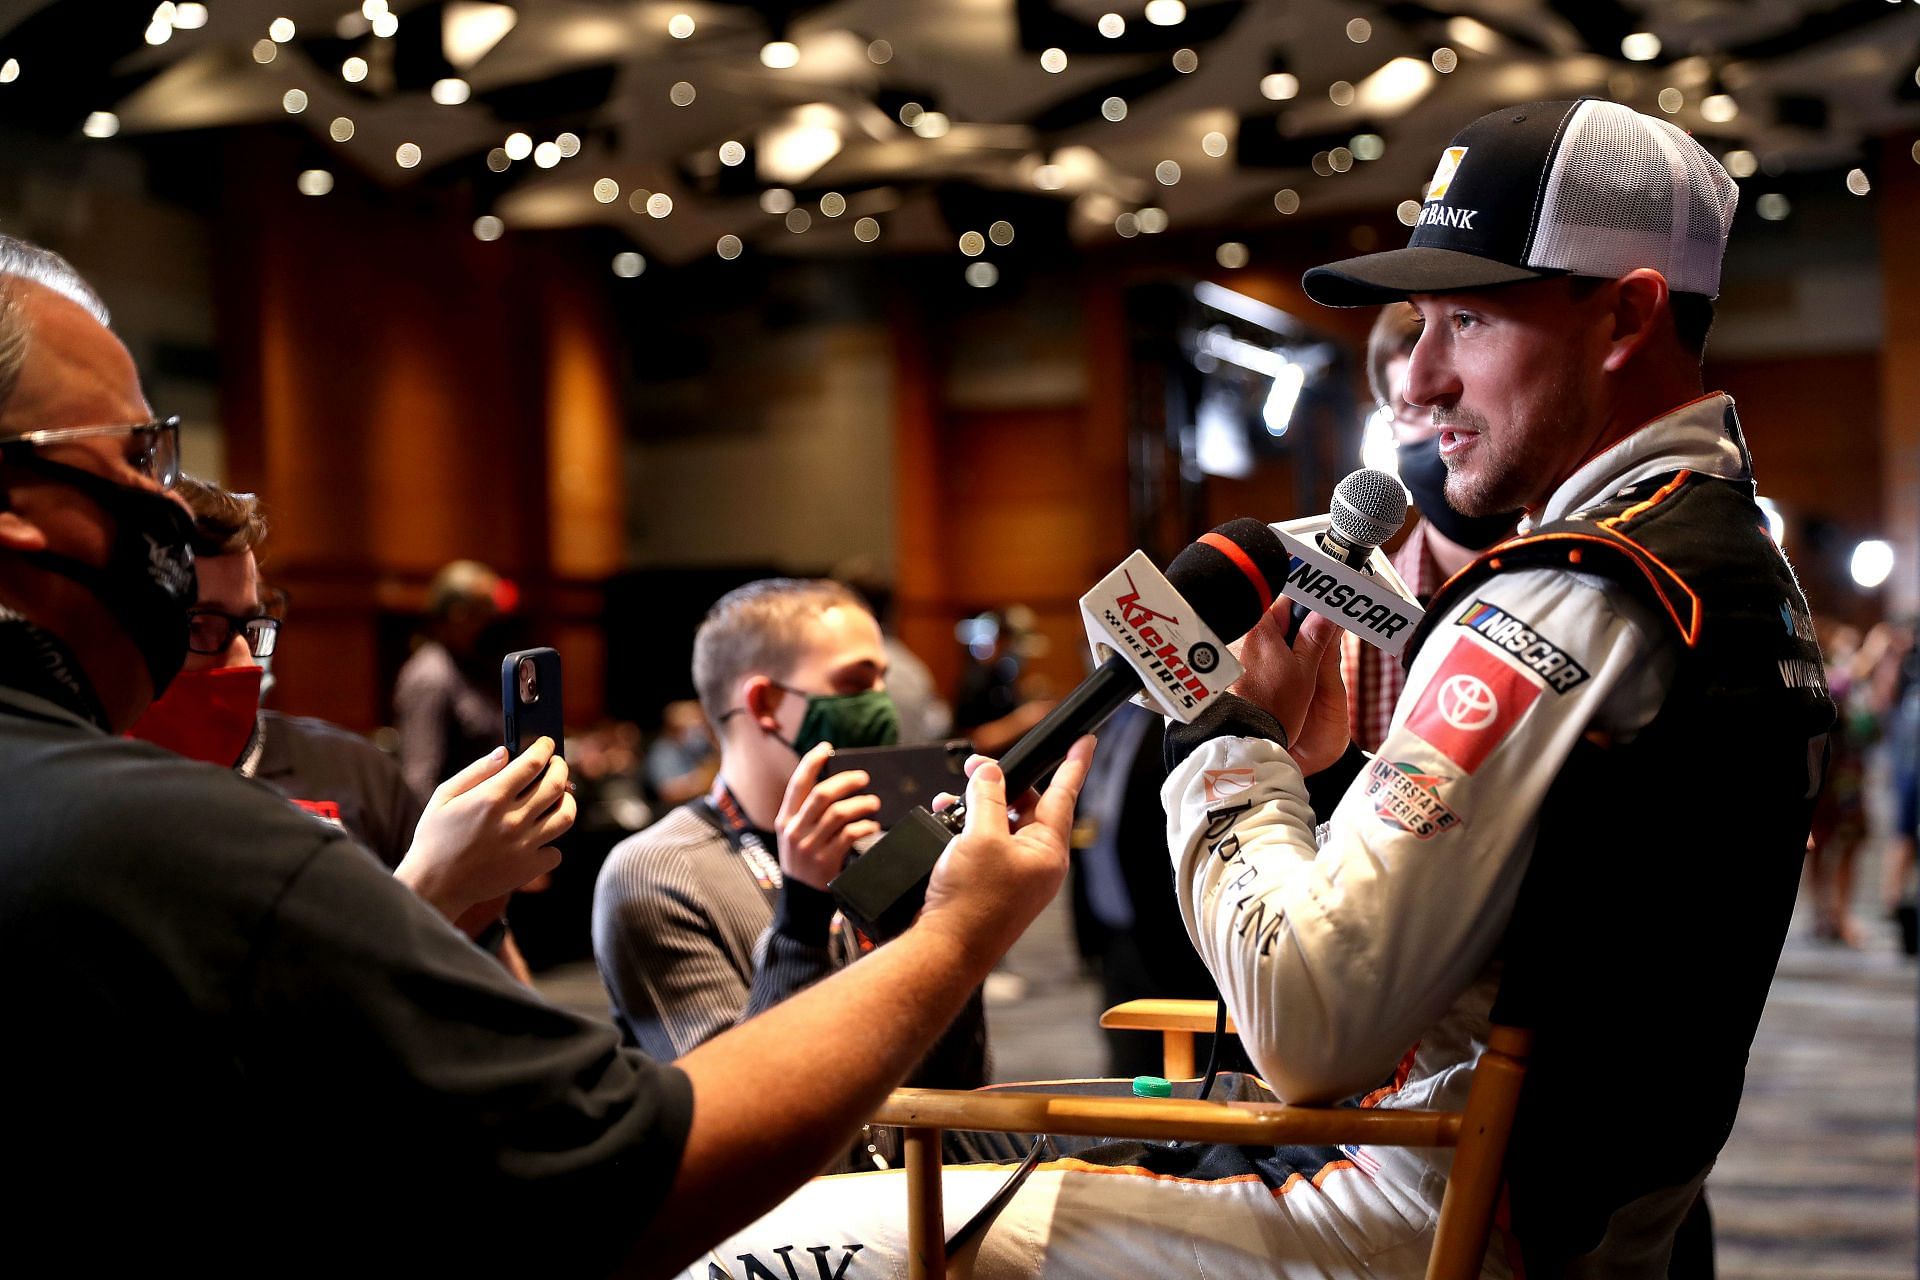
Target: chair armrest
1236	1123
1163	1015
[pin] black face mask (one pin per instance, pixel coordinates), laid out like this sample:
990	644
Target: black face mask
1424	473
148	582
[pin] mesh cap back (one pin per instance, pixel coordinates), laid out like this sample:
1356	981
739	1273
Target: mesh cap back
1626	191
1582	187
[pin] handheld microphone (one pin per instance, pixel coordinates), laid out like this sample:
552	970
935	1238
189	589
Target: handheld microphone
1368	507
1169	639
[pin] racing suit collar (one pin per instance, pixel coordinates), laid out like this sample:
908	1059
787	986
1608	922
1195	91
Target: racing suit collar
1693	437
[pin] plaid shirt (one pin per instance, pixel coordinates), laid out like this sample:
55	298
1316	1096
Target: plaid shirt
1374	679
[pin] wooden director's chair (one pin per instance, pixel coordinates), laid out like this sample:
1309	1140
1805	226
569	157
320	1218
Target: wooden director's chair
1478	1135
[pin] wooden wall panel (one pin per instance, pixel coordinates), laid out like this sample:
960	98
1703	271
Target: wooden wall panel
1024	521
1007	505
388	395
924	613
1813	423
1898	196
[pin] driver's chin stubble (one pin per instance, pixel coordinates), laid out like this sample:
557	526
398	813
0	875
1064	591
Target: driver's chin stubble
1475	492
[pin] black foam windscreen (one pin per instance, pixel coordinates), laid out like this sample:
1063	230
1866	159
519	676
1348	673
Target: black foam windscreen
1230	591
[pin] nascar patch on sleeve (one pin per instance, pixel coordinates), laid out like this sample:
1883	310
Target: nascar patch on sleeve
1470	704
1516	635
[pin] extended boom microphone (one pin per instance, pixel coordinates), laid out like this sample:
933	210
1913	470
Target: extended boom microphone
1164	637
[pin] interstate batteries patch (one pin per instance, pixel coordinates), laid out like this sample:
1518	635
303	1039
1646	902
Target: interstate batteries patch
1408	799
1518	637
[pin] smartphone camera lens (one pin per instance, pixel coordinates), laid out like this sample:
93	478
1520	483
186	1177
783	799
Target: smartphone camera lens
529	679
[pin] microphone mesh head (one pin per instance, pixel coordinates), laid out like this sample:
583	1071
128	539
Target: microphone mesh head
1368	508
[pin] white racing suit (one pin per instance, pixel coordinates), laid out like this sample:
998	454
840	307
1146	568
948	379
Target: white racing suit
1358	959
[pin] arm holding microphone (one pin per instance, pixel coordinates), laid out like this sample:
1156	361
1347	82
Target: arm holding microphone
1339	571
1164	638
1338	946
1161	637
1296	680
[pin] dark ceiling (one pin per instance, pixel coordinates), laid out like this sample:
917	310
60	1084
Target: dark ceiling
1056	118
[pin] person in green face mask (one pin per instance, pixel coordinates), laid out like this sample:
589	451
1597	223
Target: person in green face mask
720	910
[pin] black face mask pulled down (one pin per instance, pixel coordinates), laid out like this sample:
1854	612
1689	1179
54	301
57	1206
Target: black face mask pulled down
148	582
1424	473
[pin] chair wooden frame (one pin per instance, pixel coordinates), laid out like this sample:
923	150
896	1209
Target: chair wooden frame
1478	1135
1177	1021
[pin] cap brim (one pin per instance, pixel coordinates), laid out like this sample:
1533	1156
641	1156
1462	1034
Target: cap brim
1392	276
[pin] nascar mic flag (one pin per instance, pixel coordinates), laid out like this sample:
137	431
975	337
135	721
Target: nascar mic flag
1375	605
1136	614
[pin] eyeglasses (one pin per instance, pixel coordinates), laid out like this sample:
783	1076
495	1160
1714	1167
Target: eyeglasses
211	631
153	448
1400	409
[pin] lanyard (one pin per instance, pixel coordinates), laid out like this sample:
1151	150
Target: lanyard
725	814
33	660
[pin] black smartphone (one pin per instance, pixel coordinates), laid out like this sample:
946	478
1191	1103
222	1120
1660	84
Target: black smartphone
906	776
530	701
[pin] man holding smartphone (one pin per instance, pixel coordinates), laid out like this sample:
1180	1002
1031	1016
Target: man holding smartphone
720	910
492	819
237	1042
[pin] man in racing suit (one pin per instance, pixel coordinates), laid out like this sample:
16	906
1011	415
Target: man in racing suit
1586	817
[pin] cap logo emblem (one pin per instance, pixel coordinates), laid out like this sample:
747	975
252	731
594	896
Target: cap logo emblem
1443	176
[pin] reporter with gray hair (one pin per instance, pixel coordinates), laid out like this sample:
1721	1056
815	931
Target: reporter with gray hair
237	1042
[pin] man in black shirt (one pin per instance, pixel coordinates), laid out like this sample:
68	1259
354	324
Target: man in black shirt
235	1039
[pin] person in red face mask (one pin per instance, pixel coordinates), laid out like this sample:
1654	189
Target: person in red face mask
211	711
491	821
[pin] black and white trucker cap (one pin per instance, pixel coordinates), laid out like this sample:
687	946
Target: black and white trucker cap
1585	188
